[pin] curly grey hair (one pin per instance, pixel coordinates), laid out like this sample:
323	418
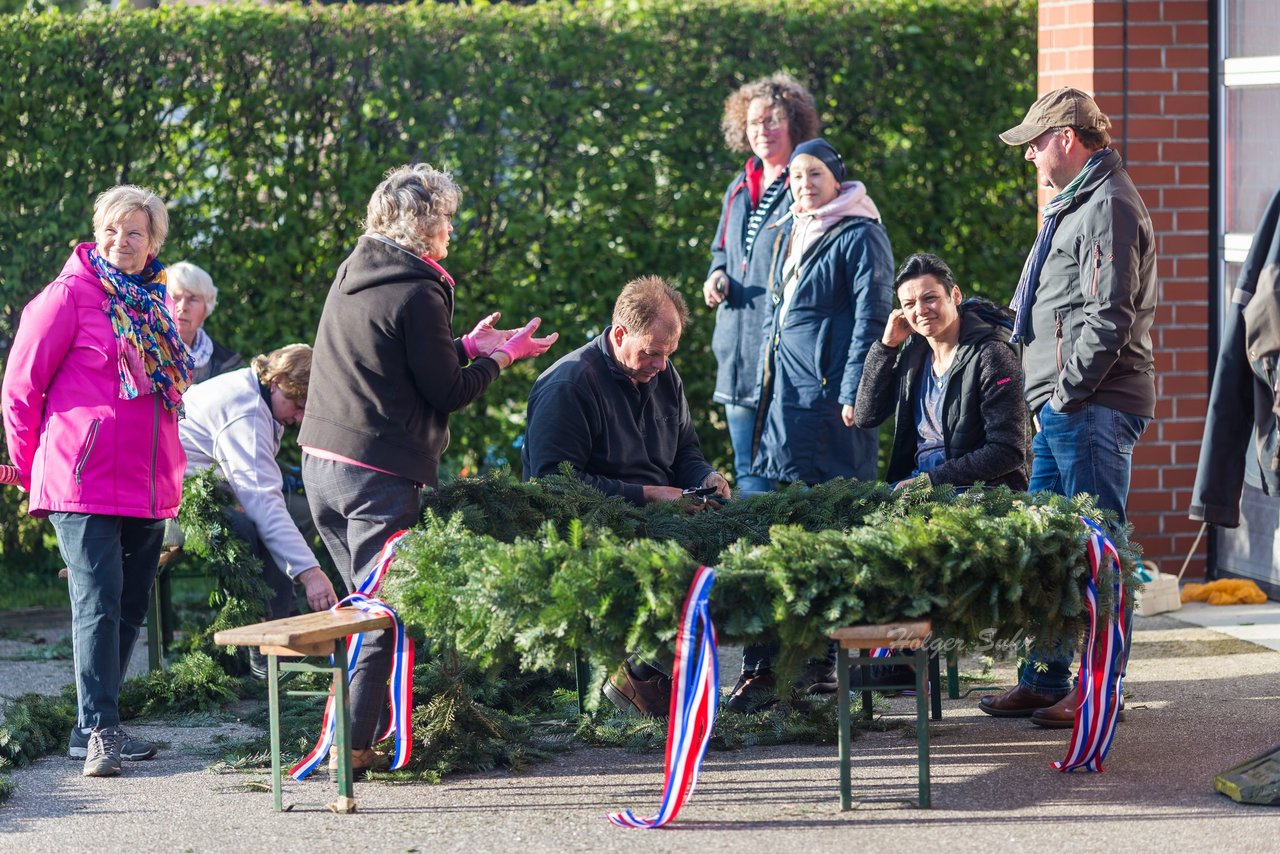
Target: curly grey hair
411	204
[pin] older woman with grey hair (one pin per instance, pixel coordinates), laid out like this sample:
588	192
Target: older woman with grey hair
92	389
194	299
386	372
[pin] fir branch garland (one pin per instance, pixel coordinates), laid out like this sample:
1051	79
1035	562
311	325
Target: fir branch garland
504	571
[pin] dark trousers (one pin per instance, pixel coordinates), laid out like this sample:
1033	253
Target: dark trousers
355	510
111	565
284	600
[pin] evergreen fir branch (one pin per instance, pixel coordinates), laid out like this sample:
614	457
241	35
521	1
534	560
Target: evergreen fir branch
555	568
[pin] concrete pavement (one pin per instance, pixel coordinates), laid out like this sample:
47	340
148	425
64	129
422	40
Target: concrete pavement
1199	700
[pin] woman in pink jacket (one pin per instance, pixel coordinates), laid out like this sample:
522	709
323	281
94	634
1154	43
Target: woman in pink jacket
91	394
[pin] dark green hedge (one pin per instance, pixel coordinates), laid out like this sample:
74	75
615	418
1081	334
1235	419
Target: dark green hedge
585	137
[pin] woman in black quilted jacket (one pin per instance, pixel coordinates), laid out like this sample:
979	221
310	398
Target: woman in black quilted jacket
956	385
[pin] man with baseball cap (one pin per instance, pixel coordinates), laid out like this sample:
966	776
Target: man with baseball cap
1085	303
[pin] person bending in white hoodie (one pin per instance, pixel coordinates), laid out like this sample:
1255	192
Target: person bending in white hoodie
234	422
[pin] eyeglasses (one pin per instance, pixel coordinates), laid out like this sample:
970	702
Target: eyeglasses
1033	149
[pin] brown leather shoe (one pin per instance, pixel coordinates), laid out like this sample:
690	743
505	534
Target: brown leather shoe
1062	714
754	692
650	697
1017	702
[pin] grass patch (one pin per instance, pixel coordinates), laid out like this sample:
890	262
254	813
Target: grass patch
23	590
59	650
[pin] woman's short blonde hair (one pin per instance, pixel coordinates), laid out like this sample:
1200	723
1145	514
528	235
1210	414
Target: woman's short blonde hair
289	368
117	203
411	204
185	276
783	91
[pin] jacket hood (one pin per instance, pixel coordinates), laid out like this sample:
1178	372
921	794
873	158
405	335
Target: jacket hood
981	319
381	263
852	201
809	227
78	263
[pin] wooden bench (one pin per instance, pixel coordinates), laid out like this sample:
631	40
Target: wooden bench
319	634
908	638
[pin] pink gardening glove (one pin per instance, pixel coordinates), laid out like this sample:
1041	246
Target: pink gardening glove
523	345
484	339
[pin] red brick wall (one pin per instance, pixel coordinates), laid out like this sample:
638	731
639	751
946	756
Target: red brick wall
1163	133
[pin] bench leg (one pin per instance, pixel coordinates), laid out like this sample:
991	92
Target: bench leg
922	666
953	675
582	675
842	704
273	701
864	668
155	631
342	730
935	686
169	617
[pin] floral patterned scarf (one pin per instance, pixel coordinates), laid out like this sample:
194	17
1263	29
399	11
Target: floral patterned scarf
152	358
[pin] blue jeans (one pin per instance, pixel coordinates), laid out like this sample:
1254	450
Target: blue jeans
1086	450
111	565
742	429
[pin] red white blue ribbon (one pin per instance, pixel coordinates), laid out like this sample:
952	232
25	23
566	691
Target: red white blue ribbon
1101	665
400	686
695	695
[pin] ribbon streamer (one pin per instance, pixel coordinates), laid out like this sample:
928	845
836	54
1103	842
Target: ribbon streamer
1101	665
400	687
695	695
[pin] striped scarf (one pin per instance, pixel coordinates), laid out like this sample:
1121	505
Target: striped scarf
1024	296
150	355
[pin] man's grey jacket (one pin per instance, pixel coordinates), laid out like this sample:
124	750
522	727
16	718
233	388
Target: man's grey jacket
1090	334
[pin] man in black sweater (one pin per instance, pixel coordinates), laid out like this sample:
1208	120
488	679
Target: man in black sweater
614	409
